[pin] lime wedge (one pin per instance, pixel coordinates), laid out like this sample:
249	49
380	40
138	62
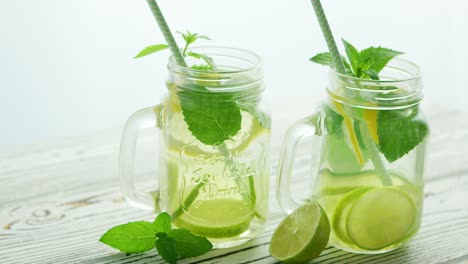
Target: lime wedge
380	217
302	235
341	212
218	218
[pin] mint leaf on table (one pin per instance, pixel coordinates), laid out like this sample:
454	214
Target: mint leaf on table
133	237
212	118
399	134
188	244
138	237
167	248
151	49
162	223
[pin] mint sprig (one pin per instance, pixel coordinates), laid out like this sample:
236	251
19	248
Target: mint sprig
134	237
190	39
211	118
366	63
141	236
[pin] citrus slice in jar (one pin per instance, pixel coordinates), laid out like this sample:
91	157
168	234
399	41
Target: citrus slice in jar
182	140
341	212
380	217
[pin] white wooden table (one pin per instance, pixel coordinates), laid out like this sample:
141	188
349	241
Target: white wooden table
58	198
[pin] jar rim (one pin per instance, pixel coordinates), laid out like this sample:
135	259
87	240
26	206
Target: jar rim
239	70
415	75
400	86
255	64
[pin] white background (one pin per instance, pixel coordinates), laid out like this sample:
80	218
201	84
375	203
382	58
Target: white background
66	67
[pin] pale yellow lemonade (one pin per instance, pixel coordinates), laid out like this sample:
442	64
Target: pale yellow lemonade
221	196
366	215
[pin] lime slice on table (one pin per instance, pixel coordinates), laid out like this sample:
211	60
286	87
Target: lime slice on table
302	235
380	217
341	212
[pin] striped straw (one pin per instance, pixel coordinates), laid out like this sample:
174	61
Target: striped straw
323	22
166	32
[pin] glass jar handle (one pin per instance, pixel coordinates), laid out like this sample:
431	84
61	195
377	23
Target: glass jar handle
144	118
301	129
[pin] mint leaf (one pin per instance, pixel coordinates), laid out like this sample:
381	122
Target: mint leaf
211	117
204	37
399	134
333	122
354	57
162	223
366	63
373	74
151	49
134	237
189	245
326	59
251	107
377	57
206	58
189	37
167	248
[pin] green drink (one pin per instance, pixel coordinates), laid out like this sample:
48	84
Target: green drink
369	153
214	151
206	195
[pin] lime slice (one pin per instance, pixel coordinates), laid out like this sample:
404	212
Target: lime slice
218	218
302	235
380	217
417	194
341	212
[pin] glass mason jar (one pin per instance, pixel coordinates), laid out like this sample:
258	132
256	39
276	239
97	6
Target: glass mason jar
369	147
214	151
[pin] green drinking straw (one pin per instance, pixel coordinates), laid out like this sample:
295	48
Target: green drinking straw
175	50
166	31
367	140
